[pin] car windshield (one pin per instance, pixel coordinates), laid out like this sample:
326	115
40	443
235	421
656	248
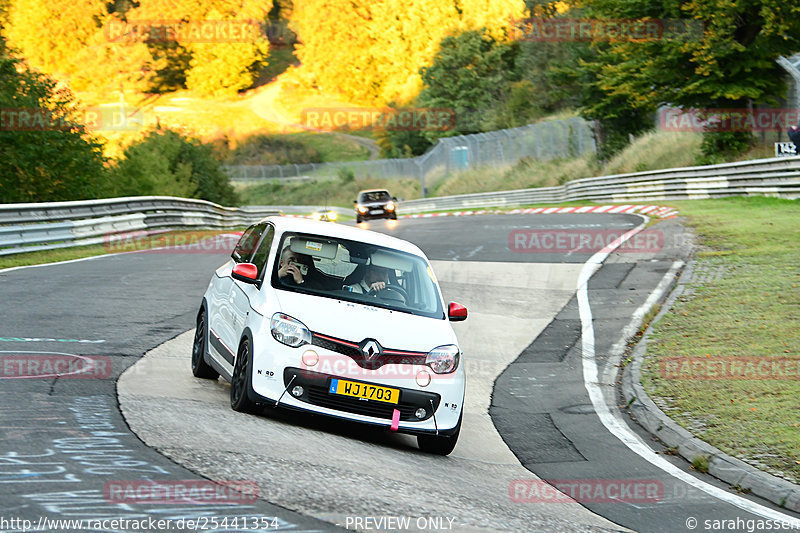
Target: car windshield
357	272
375	196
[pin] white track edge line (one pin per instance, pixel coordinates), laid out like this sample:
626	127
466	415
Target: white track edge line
618	429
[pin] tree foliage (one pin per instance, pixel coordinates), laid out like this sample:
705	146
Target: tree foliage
372	51
471	73
165	162
725	58
49	33
222	65
100	46
53	160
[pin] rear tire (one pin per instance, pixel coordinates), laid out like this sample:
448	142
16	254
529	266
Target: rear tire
359	220
200	368
242	380
439	445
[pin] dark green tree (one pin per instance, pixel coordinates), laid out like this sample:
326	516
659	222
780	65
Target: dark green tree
167	163
471	73
722	55
46	154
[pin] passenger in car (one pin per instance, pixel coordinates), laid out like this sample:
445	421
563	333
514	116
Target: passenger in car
375	279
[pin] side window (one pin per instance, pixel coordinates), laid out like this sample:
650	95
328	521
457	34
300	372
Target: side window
247	244
262	254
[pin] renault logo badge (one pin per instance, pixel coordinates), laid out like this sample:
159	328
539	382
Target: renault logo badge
371	349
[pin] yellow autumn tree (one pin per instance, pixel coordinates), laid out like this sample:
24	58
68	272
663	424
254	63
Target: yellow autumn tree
370	51
69	40
223	38
49	33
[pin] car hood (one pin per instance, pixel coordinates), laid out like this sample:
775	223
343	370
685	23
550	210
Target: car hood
355	322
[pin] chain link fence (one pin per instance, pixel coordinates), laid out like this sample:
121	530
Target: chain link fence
551	139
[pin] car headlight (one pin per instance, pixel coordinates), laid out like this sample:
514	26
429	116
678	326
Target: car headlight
390	206
331	215
289	331
361	209
443	359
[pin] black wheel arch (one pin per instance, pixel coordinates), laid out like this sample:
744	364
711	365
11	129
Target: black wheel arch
248	334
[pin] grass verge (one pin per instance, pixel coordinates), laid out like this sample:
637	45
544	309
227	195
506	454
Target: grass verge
340	191
745	306
195	241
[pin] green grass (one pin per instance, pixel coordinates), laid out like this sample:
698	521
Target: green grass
285	149
336	192
751	311
81	252
525	174
51	256
656	150
651	151
330	147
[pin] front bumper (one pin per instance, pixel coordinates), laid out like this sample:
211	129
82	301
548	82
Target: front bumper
369	216
316	385
442	399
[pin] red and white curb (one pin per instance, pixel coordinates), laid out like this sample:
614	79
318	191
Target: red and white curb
662	212
652	210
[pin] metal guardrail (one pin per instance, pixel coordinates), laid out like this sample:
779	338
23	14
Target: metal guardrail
43	226
47	226
771	177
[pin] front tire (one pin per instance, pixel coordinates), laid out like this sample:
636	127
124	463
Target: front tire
439	445
200	368
242	380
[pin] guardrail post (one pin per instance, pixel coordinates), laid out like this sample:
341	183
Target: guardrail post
421	178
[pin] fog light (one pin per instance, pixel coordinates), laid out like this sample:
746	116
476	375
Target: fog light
420	413
310	358
423	378
297	391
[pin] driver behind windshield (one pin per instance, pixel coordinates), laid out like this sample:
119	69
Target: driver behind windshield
375	279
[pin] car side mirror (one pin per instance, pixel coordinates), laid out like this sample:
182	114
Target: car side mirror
355	201
457	312
246	272
394	198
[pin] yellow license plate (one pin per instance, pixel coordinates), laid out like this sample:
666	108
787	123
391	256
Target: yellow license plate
364	390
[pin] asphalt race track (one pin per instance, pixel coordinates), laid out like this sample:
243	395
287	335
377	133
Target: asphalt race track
529	412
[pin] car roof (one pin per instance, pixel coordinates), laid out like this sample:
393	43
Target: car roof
373	190
331	229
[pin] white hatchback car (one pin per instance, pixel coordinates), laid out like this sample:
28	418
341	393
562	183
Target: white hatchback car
337	321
